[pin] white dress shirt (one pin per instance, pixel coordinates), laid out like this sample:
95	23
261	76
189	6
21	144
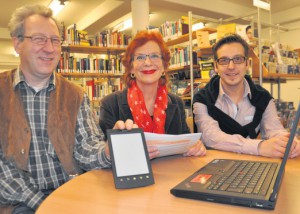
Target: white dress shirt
243	113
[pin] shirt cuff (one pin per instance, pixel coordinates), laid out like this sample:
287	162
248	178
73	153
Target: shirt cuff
104	161
33	199
251	146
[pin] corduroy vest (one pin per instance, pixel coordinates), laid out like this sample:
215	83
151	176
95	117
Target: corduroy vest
15	133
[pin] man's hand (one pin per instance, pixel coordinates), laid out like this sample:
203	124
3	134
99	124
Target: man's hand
275	147
295	150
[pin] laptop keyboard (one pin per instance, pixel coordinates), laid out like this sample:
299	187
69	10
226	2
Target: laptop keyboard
245	177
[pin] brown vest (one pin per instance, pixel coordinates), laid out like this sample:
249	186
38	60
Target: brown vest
15	134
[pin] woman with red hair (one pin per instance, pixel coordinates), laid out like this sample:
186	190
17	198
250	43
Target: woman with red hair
146	100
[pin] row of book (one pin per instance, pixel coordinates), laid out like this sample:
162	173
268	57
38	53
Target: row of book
73	36
287	112
69	63
97	89
180	56
173	29
111	39
280	59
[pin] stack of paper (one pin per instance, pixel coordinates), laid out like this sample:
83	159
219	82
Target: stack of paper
172	144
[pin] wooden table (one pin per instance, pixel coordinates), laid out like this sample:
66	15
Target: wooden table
94	192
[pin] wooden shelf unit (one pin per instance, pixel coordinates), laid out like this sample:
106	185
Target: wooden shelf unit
185	38
255	66
186	67
91	75
92	49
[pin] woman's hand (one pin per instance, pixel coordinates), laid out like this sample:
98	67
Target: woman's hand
128	124
197	150
152	151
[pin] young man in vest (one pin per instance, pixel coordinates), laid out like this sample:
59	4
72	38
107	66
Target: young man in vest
231	110
47	132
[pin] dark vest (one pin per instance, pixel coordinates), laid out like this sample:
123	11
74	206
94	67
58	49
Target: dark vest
15	133
260	98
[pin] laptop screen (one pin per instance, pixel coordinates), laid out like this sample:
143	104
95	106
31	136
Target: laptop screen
286	155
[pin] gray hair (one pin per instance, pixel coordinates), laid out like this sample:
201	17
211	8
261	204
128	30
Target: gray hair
16	23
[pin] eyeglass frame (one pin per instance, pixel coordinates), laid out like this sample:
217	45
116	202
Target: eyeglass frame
232	59
45	39
147	55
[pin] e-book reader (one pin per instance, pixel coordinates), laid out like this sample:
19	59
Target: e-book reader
130	160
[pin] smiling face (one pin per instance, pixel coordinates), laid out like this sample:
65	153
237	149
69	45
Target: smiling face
38	61
148	71
232	75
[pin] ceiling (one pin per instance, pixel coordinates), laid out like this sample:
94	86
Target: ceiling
98	15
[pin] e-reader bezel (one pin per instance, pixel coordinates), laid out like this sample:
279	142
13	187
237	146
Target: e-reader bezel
136	179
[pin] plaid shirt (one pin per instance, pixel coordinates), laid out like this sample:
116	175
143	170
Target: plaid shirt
45	172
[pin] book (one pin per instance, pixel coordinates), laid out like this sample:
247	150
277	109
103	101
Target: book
207	69
90	89
82	36
225	29
202	38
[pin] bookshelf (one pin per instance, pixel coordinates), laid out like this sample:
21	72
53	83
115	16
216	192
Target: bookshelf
92	49
185	37
89	75
190	67
255	66
184	61
267	76
97	69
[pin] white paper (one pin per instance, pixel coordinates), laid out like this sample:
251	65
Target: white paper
172	144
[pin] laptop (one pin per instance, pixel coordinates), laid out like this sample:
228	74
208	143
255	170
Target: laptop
238	182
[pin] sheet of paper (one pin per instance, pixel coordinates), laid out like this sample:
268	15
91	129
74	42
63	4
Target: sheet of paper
172	144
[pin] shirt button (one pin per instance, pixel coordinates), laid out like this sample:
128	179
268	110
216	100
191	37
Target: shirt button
22	151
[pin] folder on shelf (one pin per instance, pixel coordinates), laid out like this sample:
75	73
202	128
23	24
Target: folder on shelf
202	38
223	30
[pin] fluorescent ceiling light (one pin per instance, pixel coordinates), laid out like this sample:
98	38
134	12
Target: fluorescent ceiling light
56	6
197	26
261	4
124	25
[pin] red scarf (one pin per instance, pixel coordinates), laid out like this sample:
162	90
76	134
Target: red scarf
139	111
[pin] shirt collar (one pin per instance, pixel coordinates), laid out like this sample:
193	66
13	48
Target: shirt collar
246	90
20	78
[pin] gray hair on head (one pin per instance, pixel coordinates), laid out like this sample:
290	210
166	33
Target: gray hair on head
16	23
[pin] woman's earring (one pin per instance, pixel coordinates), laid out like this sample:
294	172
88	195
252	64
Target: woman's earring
163	74
132	75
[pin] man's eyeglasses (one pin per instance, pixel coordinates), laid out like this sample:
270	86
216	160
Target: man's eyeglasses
235	60
42	40
141	58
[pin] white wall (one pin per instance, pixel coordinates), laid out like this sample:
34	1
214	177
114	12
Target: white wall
289	91
291	38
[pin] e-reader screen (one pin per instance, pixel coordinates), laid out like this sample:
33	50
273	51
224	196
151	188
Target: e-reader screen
130	160
129	155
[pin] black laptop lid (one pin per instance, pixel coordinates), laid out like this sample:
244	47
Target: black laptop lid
286	155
